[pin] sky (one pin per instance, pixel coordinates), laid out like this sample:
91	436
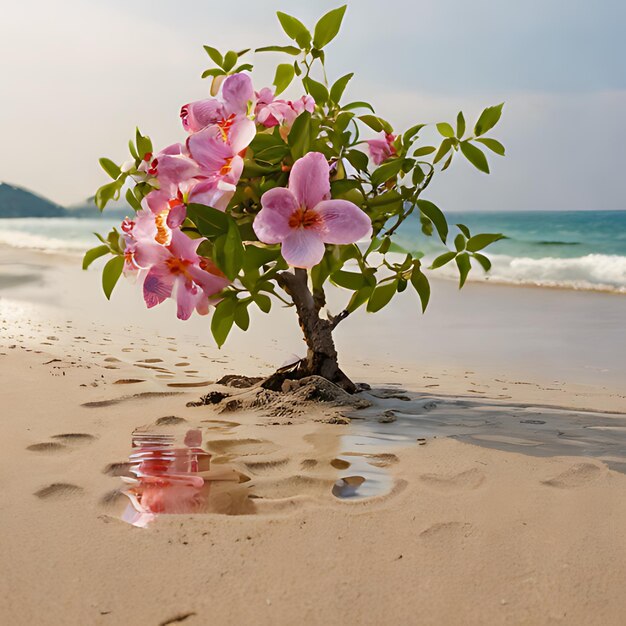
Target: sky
77	76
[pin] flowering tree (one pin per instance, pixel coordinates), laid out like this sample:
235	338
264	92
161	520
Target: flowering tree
271	199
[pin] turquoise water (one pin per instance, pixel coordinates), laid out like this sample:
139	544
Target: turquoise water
576	250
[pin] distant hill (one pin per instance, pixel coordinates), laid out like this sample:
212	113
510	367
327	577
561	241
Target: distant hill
18	202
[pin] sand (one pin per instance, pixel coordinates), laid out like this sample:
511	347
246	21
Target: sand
509	510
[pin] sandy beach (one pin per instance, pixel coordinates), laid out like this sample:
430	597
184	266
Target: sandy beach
491	462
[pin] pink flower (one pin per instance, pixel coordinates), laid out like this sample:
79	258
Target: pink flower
217	150
177	271
383	148
237	92
303	218
172	165
272	112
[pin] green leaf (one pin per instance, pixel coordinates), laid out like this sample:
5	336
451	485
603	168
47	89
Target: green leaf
422	286
387	170
358	160
349	280
263	302
222	320
375	123
436	216
228	251
488	119
442	259
483	260
381	296
215	55
464	229
110	168
459	242
444	148
230	58
106	193
359	298
295	29
144	145
93	254
287	49
492	144
464	265
475	156
214	71
134	203
211	223
132	149
242	317
300	136
445	129
336	91
478	242
328	26
111	273
357	105
411	134
317	90
284	76
460	125
424	150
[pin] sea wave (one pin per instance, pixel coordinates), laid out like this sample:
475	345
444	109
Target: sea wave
41	242
595	272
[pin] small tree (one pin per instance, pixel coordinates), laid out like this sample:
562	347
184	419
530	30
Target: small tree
273	199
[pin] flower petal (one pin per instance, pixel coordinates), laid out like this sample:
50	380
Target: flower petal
303	248
210	283
342	222
310	179
157	286
271	225
237	91
186	298
184	247
197	115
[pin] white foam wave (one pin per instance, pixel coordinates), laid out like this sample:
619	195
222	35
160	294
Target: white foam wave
41	242
597	272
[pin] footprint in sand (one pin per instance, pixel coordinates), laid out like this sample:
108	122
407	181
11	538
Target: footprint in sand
112	498
447	531
58	491
464	481
118	469
578	475
242	447
46	446
128	381
266	467
74	437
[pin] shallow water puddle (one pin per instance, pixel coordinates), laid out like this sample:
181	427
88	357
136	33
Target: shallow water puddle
164	476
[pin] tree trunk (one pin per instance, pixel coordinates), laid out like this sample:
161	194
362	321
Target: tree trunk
321	359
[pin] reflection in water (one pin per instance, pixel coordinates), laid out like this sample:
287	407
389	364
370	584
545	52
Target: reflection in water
163	478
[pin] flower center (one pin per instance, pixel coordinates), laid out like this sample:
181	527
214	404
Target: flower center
225	125
178	267
228	164
303	218
164	234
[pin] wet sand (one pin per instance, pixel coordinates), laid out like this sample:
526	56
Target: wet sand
492	461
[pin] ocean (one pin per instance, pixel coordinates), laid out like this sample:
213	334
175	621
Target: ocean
574	250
